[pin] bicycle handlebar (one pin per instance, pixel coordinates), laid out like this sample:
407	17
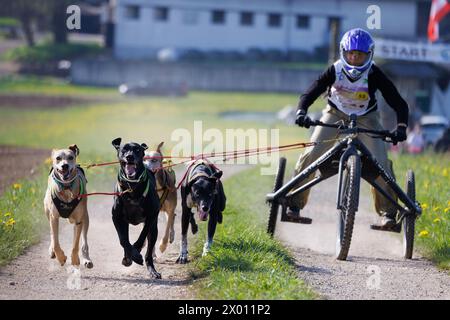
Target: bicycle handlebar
385	135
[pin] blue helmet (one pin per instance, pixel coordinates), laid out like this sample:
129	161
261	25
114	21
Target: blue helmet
360	40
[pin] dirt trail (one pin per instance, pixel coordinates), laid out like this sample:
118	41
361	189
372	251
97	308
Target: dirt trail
372	254
34	275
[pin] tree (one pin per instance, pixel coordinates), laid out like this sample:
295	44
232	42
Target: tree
58	20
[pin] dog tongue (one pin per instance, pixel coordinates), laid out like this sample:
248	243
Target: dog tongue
130	169
202	215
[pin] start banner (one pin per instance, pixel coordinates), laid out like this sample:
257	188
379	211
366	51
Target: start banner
411	51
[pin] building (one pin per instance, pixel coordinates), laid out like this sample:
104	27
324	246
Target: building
145	26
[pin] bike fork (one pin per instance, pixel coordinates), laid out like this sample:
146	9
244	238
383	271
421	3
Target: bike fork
342	162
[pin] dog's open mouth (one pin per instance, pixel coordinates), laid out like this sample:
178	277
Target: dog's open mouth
129	169
64	173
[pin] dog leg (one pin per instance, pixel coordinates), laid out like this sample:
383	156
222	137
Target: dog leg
172	228
51	253
130	252
212	223
54	226
168	231
76	243
87	262
151	240
185	217
194	226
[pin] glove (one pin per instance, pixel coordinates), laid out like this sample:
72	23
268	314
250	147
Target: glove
399	134
302	120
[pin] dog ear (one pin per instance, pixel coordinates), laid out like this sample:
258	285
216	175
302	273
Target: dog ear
217	174
75	149
159	147
116	143
144	146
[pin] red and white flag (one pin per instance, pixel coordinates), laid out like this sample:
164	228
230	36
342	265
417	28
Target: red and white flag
439	8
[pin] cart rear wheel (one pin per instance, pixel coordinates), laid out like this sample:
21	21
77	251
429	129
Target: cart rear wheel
274	205
409	220
349	206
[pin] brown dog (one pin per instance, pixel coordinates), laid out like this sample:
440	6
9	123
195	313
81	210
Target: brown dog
66	183
167	193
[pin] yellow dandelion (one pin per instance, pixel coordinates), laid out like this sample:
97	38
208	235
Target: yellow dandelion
8	214
10	222
445	172
17	186
436	209
48	161
437	220
424	206
423	233
446	209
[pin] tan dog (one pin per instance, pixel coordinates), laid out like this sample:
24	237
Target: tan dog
167	193
65	183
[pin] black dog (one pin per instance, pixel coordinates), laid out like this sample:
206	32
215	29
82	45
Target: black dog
138	203
202	189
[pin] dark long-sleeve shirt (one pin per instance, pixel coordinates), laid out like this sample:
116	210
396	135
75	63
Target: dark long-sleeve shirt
377	81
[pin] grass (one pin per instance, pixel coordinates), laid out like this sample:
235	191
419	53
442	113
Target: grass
244	262
21	217
432	173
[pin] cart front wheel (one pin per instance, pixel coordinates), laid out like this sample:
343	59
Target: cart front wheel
409	220
274	205
349	206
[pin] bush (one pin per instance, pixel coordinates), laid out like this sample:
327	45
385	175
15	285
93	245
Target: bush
49	52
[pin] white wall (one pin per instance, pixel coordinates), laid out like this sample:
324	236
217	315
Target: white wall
142	37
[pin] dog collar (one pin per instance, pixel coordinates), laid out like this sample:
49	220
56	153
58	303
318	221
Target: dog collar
143	176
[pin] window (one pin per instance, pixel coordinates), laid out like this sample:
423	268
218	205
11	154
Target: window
303	22
218	17
161	14
274	20
132	12
246	18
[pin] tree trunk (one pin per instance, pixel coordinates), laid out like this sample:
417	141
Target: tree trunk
25	20
59	28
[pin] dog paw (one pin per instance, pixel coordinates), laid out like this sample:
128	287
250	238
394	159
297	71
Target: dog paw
153	273
137	258
75	260
127	262
182	259
163	247
62	260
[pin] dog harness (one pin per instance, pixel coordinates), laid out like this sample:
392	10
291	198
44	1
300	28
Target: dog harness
165	187
143	177
65	209
195	172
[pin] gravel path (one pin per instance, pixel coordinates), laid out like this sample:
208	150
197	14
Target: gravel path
34	275
375	268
